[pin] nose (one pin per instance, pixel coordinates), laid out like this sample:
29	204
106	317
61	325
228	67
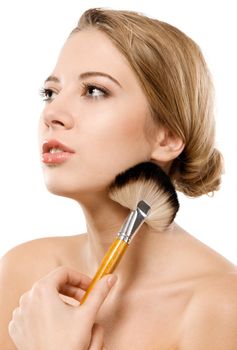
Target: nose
57	116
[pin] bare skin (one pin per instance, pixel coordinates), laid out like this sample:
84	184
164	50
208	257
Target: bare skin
153	311
156	304
172	291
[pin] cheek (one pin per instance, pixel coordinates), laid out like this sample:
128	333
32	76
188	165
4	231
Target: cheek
109	141
119	137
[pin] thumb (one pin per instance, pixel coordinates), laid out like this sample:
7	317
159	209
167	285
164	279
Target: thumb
97	296
97	338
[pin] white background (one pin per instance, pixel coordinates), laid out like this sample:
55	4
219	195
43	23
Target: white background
31	35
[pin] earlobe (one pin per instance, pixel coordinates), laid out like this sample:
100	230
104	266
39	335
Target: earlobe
167	147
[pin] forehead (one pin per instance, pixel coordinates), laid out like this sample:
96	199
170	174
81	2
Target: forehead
92	50
92	47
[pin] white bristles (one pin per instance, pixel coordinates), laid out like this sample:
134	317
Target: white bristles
129	195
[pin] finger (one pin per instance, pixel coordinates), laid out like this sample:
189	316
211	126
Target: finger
71	302
12	328
97	296
73	292
24	299
15	314
61	276
97	338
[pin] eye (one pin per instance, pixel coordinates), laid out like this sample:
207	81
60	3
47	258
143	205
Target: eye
46	94
93	91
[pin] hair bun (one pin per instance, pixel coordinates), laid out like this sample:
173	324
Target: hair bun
197	177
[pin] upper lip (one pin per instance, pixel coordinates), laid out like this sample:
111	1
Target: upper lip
49	144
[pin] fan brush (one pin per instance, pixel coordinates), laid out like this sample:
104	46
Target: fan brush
148	192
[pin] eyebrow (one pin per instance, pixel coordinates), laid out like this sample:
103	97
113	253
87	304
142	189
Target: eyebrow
84	76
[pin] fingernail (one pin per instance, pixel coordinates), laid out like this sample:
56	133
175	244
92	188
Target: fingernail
111	280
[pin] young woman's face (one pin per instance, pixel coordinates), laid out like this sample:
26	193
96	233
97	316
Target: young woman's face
95	107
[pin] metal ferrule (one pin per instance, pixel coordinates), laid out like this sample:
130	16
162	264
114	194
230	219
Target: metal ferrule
134	221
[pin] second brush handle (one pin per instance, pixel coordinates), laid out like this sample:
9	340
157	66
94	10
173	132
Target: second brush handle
108	264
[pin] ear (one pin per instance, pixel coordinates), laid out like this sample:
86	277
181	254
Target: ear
167	147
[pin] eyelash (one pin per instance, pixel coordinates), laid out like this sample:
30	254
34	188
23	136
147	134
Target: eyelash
44	93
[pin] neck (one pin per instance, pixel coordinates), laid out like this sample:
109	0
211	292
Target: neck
149	254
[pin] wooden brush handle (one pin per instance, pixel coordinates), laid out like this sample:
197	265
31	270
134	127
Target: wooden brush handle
108	264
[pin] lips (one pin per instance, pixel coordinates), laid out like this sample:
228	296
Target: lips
55	152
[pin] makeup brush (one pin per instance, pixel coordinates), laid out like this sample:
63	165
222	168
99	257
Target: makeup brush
150	195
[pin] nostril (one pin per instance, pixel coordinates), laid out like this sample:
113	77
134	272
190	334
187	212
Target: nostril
57	122
57	119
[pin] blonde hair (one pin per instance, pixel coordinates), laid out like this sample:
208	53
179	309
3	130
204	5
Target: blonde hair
175	78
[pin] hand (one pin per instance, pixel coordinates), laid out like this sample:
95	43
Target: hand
43	321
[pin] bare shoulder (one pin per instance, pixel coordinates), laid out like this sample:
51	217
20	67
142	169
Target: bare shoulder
21	267
29	261
211	318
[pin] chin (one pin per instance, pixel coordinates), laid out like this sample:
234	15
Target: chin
75	189
77	183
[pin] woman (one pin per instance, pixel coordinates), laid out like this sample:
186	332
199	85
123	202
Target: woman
125	89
